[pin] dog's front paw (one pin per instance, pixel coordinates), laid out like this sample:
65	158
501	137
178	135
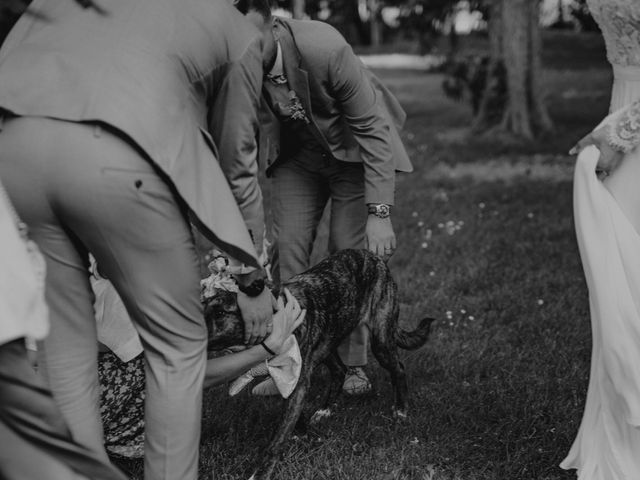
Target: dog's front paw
319	415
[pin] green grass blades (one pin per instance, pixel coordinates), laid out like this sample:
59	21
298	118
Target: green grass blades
486	245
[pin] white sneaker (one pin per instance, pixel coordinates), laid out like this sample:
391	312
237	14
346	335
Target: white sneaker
356	382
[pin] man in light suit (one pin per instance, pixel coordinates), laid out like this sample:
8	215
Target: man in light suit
109	121
328	132
36	442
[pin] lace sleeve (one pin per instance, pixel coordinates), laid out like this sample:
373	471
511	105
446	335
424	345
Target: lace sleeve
624	134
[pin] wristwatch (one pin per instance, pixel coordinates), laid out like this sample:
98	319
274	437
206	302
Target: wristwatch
380	210
254	289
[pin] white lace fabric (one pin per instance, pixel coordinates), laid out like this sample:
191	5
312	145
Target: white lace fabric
624	133
619	21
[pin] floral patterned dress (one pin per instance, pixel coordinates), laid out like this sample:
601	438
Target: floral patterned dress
122	404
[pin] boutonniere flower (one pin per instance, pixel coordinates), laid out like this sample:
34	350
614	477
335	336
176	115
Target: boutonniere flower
221	272
219	279
296	108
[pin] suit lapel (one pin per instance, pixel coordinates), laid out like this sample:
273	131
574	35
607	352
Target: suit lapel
298	77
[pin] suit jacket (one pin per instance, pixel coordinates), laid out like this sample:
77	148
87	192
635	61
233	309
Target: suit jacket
352	114
169	74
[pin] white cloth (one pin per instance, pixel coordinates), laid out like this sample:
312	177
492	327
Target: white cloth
114	326
284	370
607	446
23	312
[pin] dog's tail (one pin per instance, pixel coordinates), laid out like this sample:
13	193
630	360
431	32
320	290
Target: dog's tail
416	338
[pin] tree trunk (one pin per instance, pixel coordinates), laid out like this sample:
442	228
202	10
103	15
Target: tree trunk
484	118
540	113
516	46
515	27
375	22
298	9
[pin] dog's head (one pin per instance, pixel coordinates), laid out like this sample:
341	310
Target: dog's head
224	321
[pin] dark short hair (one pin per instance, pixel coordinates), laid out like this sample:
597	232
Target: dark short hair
263	7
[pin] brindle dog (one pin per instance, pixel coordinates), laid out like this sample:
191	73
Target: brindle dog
349	287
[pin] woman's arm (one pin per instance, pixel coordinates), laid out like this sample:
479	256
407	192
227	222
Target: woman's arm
222	369
285	321
617	135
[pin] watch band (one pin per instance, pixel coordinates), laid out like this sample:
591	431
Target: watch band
254	289
380	210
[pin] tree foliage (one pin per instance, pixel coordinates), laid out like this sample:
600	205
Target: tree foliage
580	12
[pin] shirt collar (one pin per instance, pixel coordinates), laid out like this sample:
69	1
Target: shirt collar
278	65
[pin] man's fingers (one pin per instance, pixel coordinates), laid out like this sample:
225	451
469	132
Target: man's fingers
261	332
274	303
247	332
255	333
370	244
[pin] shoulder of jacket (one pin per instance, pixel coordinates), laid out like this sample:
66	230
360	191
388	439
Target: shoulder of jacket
315	37
234	33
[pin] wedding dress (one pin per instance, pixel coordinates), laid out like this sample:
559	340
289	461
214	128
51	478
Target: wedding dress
607	446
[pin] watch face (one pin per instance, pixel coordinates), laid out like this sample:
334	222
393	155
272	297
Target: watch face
381	210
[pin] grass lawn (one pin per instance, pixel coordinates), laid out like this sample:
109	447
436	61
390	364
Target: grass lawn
487	246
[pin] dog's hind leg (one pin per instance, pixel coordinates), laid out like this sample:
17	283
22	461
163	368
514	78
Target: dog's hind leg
382	326
293	410
387	356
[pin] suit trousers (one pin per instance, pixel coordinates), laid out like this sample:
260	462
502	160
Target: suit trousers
84	188
302	187
36	443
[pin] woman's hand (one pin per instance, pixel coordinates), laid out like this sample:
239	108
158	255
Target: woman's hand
285	321
609	157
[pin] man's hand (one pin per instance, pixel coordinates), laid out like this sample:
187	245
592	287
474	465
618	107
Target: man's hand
609	157
379	237
257	313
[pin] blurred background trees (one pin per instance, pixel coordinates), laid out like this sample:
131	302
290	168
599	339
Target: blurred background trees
498	71
515	52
